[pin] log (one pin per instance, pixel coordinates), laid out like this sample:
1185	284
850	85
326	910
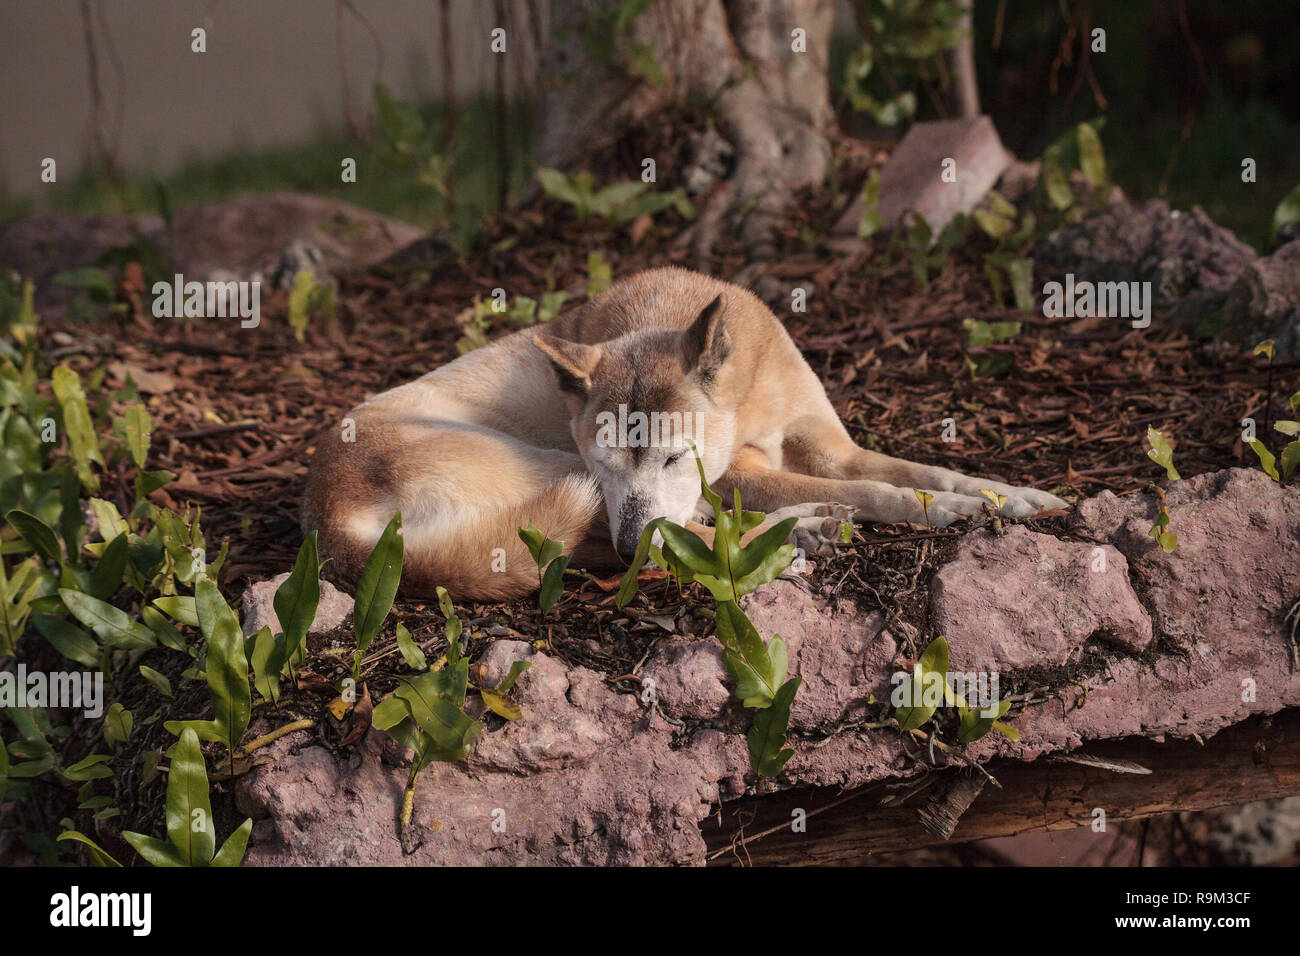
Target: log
1257	759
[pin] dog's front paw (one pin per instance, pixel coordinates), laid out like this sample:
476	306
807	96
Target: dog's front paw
947	507
1023	502
817	531
819	534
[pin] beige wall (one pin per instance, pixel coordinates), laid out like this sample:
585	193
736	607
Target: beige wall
270	74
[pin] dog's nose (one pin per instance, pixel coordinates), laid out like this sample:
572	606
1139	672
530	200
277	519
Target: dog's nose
631	519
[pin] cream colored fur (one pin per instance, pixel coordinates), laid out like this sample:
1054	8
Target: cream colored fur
509	435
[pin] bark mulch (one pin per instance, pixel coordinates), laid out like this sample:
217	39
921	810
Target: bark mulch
237	411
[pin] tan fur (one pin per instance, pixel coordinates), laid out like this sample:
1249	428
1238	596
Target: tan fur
504	437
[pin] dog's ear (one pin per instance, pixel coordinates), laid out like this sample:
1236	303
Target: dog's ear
706	344
573	362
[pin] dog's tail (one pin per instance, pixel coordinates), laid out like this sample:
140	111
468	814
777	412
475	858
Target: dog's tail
475	553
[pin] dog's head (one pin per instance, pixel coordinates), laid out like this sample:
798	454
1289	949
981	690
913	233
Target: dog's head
634	402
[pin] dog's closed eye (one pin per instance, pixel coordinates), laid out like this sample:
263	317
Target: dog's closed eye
673	459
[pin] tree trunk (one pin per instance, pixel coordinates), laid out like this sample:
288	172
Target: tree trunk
739	59
961	64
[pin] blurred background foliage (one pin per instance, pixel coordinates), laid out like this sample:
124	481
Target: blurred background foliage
1189	89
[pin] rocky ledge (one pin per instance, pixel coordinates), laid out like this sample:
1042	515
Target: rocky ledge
1112	636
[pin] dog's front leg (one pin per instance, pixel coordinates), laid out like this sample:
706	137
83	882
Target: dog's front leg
764	488
824	448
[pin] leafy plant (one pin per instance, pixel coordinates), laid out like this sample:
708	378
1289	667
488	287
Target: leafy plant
528	311
409	650
730	570
138	430
191	831
999	502
407	143
1015	232
452	629
295	603
18	589
495	697
98	855
426	713
376	589
18	319
1160	530
759	669
550	304
926	500
600	274
112	625
1266	460
1161	453
766	739
172	551
983	334
1078	148
870	222
926	689
474	322
227	673
307	298
997	219
551	563
77	425
1290	455
974	723
903	41
34	753
1287	211
70	591
927	251
617	204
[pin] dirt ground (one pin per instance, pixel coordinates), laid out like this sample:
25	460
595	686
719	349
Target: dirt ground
237	411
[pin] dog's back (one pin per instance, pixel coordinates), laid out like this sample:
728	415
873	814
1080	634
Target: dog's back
667	299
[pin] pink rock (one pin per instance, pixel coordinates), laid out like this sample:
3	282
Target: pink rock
590	775
258	607
842	655
1235	569
1023	599
1265	301
583	778
234	236
690	678
911	179
559	732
